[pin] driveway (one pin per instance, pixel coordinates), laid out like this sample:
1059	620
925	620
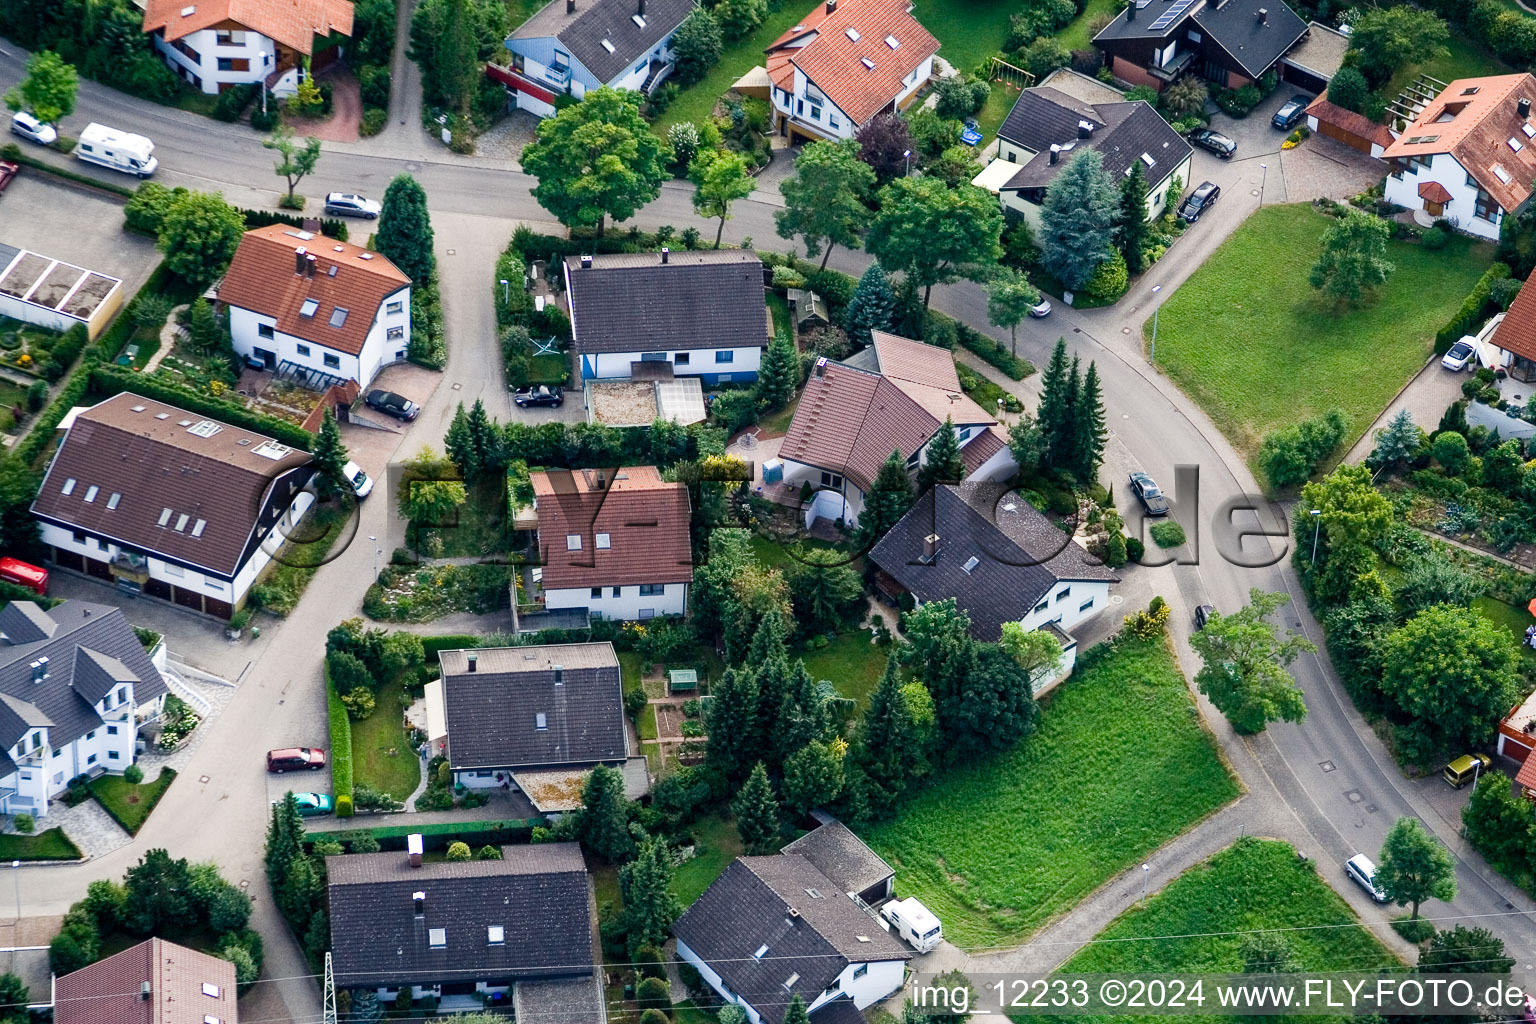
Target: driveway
77	225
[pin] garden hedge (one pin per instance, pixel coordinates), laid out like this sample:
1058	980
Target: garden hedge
13	153
437	836
108	380
1474	309
341	749
69	396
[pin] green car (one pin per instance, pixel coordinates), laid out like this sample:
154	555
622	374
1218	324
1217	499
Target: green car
312	804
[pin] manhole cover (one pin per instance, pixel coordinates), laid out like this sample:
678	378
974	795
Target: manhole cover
1252	192
1116	599
1125	330
1077	330
455	252
1370	808
203	778
1354	796
1326	766
458	387
245	883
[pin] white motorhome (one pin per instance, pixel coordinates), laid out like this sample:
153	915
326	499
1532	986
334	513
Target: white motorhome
119	151
915	923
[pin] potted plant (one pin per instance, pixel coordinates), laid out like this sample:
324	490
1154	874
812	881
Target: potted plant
238	622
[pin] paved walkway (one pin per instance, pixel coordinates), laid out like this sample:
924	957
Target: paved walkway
504	805
1425	397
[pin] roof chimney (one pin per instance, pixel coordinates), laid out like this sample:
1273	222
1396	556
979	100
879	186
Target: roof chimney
298	261
1130	11
641	8
1523	107
831	6
144	990
309	264
930	548
1055	149
1085	129
821	366
40	669
472	659
1263	15
586	261
419	902
570	6
665	252
413	851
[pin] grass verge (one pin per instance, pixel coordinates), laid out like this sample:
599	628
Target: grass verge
1120	765
1257	360
283	582
50	845
130	803
382	757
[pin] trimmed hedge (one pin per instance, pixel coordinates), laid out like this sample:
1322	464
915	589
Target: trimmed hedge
107	380
992	351
438	836
433	645
330	227
69	396
1474	309
13	153
341	748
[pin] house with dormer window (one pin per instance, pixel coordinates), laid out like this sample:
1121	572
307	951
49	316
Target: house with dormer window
76	685
170	503
216	44
313	309
154	982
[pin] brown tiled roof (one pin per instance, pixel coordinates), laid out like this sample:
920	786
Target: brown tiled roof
261	278
294	23
835	61
1474	120
645	518
109	991
1434	192
1517	333
145	453
907	360
980	449
1355	124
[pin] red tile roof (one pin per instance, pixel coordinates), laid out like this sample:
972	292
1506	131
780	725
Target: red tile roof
294	23
1474	120
834	60
1526	776
1355	124
110	991
1434	192
1517	333
645	518
261	278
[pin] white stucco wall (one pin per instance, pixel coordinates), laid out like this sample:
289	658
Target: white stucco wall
742	364
865	984
1065	604
629	605
379	349
830	120
253	47
1158	199
1445	169
44	771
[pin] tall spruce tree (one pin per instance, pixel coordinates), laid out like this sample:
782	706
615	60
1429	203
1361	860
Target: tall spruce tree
888	500
796	1013
872	307
1054	402
485	435
459	443
734	737
889	748
1131	231
646	886
803	715
1088	430
1077	220
330	456
757	813
604	823
405	229
778	376
1062	446
942	462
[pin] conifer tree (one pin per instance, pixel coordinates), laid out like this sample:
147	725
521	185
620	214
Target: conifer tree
459	443
1131	232
1088	430
330	455
732	722
889	747
778	376
757	813
888	500
405	229
942	462
872	307
1054	400
646	886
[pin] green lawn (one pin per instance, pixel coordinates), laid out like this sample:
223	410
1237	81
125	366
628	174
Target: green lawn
773	555
50	845
481	527
1254	884
382	757
719	844
783	326
1120	765
130	804
1001	100
1464	59
1075	36
282	582
1510	617
852	663
777	422
1261	357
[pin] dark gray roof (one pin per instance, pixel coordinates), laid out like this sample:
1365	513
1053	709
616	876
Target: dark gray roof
842	857
1122	133
560	1001
494	712
1232	24
537	894
1020	554
839	1011
748	907
614	20
632	302
22	622
75	682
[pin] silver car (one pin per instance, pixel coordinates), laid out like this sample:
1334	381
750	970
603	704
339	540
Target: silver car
1362	870
350	204
33	130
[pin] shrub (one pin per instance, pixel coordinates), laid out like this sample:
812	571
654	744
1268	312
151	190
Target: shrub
1135	550
1150	623
25	823
734	410
265	121
373	121
133	775
459	851
1416	931
1434	239
488	852
654	1016
1473	309
654	993
1109	279
1167	534
233	101
359	703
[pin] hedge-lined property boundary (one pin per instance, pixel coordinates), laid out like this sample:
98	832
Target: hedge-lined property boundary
341	749
1473	310
107	380
438	835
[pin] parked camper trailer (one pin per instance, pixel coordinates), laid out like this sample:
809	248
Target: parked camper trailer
118	151
914	922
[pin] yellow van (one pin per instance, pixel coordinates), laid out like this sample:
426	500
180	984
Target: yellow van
1465	768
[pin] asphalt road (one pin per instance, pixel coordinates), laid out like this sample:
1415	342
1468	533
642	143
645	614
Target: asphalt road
1329	773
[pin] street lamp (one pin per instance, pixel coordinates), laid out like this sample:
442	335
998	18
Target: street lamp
376	550
1145	871
1477	769
1263	178
1316	513
906	155
1155	289
505	295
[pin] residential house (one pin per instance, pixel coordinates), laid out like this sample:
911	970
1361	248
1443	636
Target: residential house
704	313
215	44
315	310
1312	63
1229	43
1508	340
843	857
1470	155
536	719
845	62
771	928
171	503
571	47
467	933
76	685
1000	559
154	982
893	396
1354	130
613	542
1047	128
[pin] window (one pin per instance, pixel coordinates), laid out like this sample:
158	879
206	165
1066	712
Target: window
334	362
618	591
122	694
725	357
309	307
833	122
91	492
228	64
437	938
597	592
394	307
174	570
112	501
573	542
113	755
303	350
395	333
1042	606
111	730
540	721
181	522
815	112
210	989
80	538
647	613
641	66
264	330
652	589
91	759
722	378
1062	594
229	37
91	735
832	480
604	541
338	316
1085	605
681	359
68	488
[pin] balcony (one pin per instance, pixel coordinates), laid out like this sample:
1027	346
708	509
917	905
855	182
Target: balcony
559	76
1174	68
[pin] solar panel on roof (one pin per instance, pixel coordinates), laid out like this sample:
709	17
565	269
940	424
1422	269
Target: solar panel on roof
1174	11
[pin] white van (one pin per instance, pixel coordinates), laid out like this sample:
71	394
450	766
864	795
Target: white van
361	482
914	922
118	151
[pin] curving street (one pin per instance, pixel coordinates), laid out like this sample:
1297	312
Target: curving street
1327	784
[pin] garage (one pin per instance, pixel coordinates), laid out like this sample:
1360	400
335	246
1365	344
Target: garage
1314	61
1354	130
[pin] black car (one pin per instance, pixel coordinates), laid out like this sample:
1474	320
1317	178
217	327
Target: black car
540	395
398	406
1290	115
1150	495
1203	614
1206	138
1198	201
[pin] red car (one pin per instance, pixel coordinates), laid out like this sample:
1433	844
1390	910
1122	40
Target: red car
294	759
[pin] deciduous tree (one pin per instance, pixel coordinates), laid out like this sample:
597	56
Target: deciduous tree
1452	671
1077	220
939	648
1010	297
296	160
1385	38
1036	651
936	234
824	200
885	143
1414	867
1354	258
720	177
1349	89
199	236
1244	671
696	46
49	89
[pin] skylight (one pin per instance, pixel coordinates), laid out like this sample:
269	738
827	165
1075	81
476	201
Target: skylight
1515	144
540	720
604	540
69	487
1529	130
138	408
165	517
495	934
1470	90
210	989
271	450
893	42
1148	159
971	564
437	938
760	951
607	46
851	33
303	235
112	501
867	63
638	20
162	415
197	527
789	982
204	428
181	523
1500	173
309	307
338	316
90	494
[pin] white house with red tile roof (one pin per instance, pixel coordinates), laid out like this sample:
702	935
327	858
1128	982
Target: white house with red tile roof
845	62
302	303
218	43
1470	155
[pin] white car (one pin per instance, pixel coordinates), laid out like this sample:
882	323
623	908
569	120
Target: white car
1042	310
30	128
1362	870
1460	355
361	482
350	204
